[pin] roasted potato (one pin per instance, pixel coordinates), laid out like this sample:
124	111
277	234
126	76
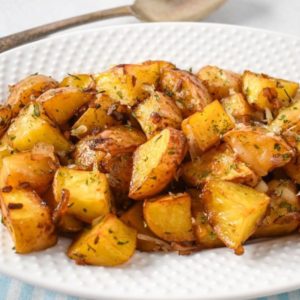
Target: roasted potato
84	82
260	149
155	163
28	89
203	232
218	163
96	117
161	64
108	243
237	107
284	213
169	217
5	118
28	220
292	136
133	217
205	129
60	104
264	91
292	169
27	169
220	82
5	148
234	211
156	113
89	194
126	83
286	118
32	126
186	89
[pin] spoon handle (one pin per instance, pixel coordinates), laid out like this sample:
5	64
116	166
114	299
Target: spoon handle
35	33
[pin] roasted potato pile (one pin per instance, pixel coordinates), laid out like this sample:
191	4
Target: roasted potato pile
149	157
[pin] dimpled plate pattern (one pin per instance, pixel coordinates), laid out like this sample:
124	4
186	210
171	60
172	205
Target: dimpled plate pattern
267	267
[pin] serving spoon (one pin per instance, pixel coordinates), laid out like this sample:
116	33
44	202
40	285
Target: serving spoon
145	10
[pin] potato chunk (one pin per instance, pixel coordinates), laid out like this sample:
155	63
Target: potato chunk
234	211
219	82
205	129
237	107
204	233
188	92
218	163
84	82
259	148
286	118
5	118
24	169
27	90
264	91
125	83
96	117
108	243
155	163
31	127
60	104
169	217
28	220
292	169
156	113
134	218
89	194
284	214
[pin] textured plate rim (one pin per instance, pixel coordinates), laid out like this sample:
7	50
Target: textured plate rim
83	293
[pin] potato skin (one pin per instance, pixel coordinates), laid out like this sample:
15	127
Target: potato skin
156	113
28	220
108	243
155	163
234	211
217	163
259	148
27	90
189	93
24	169
169	217
5	118
219	82
84	82
60	104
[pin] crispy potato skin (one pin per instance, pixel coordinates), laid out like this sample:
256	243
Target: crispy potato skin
60	104
205	129
108	243
264	91
27	90
89	193
203	232
155	163
292	169
284	213
169	217
234	211
218	163
84	82
259	148
24	169
134	218
219	82
28	220
5	118
32	126
125	83
186	89
156	113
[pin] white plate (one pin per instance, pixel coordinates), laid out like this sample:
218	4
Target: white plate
266	268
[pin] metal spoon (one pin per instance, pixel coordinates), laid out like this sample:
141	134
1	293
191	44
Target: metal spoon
146	10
